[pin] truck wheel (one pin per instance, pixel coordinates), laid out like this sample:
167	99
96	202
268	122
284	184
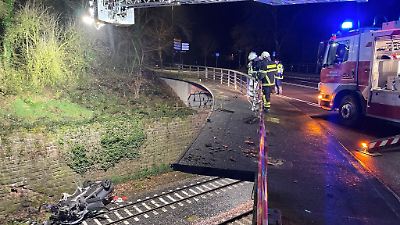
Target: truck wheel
349	110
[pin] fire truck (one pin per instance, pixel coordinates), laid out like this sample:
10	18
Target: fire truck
360	74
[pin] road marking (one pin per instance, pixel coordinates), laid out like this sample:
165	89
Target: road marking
126	222
170	198
128	212
164	209
300	85
137	209
163	201
146	216
180	204
188	201
172	207
146	206
97	222
136	219
307	102
155	212
84	223
196	199
118	215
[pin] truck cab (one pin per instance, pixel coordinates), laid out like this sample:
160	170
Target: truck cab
360	74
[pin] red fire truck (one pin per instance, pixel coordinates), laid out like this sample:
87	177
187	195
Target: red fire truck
361	74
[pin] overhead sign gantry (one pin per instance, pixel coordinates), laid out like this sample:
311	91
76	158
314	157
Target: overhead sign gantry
122	12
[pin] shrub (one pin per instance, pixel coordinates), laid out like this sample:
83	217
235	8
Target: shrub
39	53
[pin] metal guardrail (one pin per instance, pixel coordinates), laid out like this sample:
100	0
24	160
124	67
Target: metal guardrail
237	80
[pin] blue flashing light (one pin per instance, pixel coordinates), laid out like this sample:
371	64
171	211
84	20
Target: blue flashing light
347	25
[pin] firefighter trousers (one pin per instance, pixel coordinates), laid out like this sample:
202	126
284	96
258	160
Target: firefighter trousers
266	89
278	86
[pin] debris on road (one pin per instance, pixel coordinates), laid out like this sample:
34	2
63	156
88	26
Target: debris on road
275	162
251	120
249	142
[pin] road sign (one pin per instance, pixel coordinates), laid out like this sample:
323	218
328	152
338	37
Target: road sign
177	44
185	46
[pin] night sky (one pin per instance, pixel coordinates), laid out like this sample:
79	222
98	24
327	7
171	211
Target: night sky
307	25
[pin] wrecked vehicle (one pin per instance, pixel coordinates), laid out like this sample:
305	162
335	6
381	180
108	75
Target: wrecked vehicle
85	202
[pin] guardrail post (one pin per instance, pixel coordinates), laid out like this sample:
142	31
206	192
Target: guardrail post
222	76
214	73
234	79
229	78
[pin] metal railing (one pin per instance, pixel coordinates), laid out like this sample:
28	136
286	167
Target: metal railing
236	80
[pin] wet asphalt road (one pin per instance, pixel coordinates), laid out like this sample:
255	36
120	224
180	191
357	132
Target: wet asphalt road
385	167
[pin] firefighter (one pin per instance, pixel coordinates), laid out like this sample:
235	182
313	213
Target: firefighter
278	78
268	71
252	70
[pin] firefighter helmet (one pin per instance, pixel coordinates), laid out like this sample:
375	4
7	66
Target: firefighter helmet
265	54
252	56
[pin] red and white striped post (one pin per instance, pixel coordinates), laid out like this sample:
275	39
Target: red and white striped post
262	188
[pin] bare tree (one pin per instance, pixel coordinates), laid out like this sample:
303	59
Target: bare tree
208	45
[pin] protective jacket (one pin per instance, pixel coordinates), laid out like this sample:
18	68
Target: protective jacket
279	74
253	68
268	71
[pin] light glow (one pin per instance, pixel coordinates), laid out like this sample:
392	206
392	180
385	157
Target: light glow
88	20
347	25
364	145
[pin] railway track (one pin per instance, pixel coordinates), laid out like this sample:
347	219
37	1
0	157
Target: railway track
132	212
